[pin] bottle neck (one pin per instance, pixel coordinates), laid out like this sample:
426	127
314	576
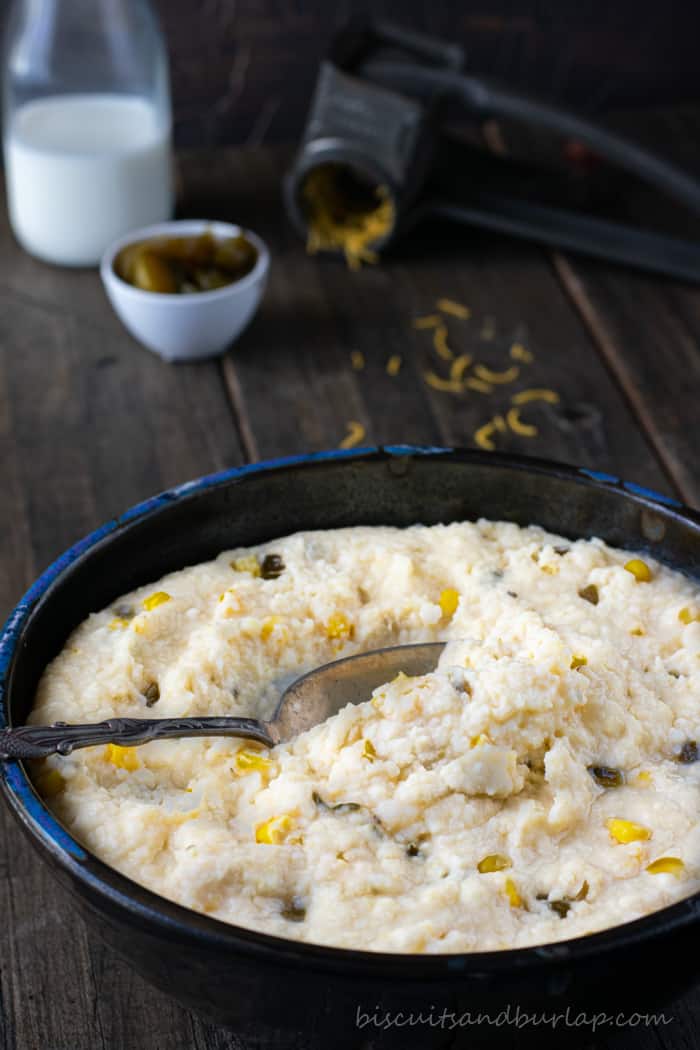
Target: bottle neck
87	47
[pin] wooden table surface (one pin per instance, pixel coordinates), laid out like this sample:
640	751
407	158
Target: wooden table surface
91	423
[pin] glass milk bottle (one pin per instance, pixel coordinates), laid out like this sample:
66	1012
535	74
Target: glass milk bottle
86	125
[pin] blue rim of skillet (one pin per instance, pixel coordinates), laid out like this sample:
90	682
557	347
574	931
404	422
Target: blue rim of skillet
176	922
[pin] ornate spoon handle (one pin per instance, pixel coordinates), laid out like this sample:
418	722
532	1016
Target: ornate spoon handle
61	738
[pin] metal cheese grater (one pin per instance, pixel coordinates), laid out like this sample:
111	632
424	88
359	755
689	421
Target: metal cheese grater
379	117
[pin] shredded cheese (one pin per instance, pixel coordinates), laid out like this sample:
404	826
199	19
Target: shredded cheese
459	366
517	426
340	218
356	434
489	376
440	343
449	386
449	306
479	385
536	394
429	321
519	353
483	436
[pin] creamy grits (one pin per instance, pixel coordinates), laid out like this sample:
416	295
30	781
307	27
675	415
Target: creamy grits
540	784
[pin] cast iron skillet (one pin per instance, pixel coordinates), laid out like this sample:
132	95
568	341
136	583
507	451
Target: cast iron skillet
275	992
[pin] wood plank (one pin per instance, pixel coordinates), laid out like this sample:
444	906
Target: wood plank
678	1030
647	328
291	373
92	424
512	294
508	285
649	335
89	424
76	290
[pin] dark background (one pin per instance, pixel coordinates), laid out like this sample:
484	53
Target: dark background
243	70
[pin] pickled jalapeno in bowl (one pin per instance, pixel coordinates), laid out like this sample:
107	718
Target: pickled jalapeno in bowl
186	289
184	264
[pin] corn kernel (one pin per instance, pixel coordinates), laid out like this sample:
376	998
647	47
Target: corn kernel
50	783
118	623
626	831
687	615
231	602
248	563
339	626
274	831
479	741
268	627
666	866
512	894
154	600
639	569
449	600
247	761
122	757
369	751
643	778
493	862
577	661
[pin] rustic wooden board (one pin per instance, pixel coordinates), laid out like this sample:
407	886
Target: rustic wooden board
291	374
90	423
648	333
647	328
93	423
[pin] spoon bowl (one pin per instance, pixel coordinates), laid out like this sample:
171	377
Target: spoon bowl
323	692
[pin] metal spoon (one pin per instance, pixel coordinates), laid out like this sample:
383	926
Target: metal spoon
308	701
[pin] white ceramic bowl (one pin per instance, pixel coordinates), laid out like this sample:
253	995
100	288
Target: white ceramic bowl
192	325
